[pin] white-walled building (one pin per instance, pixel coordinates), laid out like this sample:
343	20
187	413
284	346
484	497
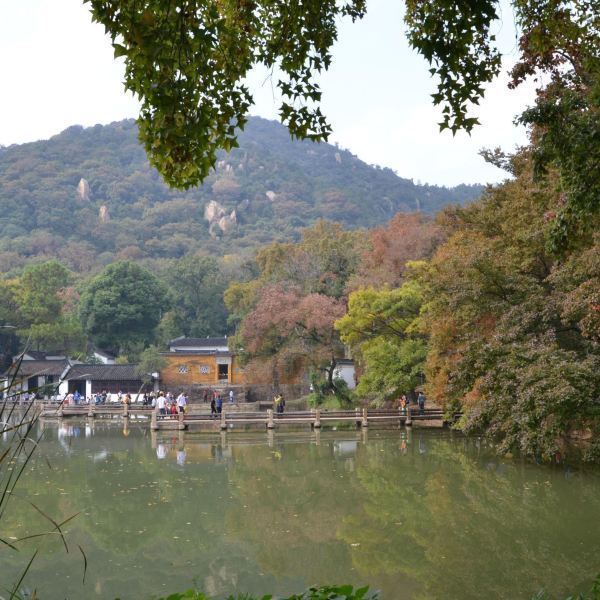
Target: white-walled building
345	370
106	358
37	372
89	379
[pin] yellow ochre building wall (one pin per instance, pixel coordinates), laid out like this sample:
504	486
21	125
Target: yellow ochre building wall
197	369
191	369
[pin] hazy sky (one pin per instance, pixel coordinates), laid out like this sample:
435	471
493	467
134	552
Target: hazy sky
57	69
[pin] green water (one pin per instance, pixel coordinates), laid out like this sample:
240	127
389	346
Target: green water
423	515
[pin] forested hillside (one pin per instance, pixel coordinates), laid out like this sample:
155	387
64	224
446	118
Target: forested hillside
89	197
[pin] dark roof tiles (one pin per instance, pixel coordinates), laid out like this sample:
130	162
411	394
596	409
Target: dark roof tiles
29	368
104	372
191	342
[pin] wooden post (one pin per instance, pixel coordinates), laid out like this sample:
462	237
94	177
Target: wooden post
181	424
91	408
125	410
365	420
223	420
317	424
270	420
408	421
154	420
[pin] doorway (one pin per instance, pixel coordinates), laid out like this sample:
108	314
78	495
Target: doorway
223	372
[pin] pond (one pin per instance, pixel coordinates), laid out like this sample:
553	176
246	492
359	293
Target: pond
416	514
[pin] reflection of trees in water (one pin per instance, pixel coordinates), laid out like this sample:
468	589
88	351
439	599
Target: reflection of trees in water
134	511
460	526
291	501
427	516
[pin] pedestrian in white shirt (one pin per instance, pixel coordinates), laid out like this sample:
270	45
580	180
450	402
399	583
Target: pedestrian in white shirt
161	403
181	402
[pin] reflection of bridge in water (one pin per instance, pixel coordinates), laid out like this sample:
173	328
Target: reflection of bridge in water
223	447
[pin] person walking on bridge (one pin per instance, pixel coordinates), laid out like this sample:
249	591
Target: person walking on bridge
402	403
181	402
421	402
161	403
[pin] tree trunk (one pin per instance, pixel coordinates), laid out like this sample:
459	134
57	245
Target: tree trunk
330	372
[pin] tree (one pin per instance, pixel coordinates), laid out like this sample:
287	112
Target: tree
187	63
514	328
562	39
43	304
287	313
8	337
407	237
197	284
289	329
122	306
37	292
65	335
150	361
382	327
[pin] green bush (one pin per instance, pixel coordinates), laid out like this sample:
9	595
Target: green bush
323	396
343	592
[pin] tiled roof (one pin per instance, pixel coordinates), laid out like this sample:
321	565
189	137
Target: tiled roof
205	352
190	342
28	368
103	372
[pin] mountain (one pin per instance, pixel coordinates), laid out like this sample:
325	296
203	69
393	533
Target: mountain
88	196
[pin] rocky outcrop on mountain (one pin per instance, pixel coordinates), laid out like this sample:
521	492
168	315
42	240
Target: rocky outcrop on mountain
219	221
274	185
83	190
227	223
103	214
213	211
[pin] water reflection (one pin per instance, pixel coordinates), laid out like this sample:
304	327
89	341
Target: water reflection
417	514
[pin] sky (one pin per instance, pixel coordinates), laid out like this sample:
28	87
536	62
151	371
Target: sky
57	69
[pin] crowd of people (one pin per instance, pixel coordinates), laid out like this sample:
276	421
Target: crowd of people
167	404
164	400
